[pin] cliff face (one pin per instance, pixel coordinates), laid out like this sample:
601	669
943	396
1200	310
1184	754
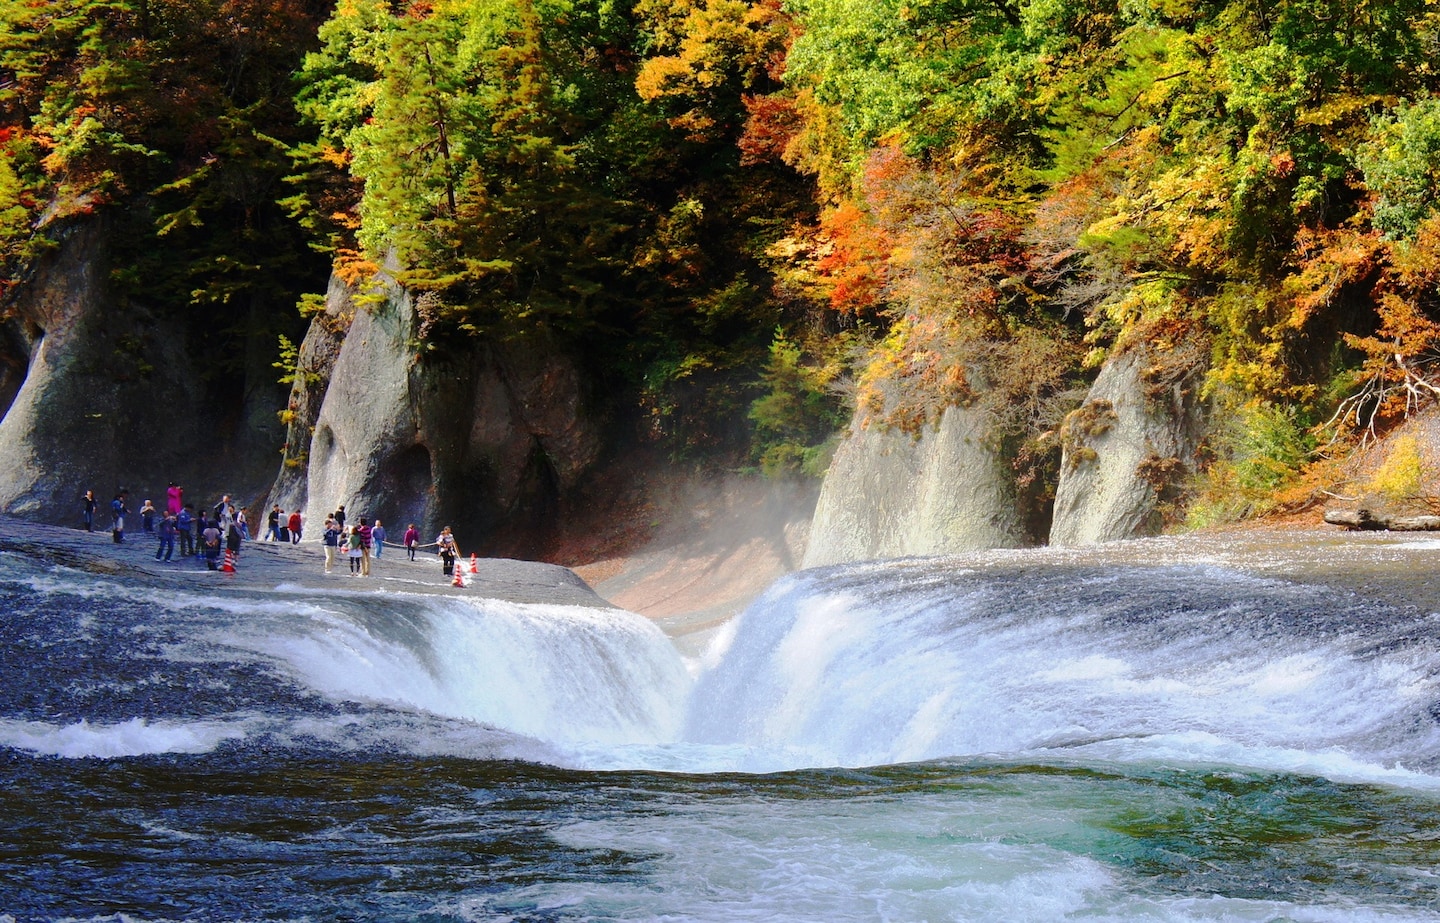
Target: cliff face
1126	451
472	437
315	363
104	393
1128	447
890	495
101	393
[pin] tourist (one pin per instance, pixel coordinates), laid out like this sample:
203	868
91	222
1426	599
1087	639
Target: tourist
339	516
272	524
242	522
352	546
331	538
167	537
201	524
118	509
445	543
232	540
91	504
174	499
224	513
366	540
377	538
185	529
293	525
412	540
147	517
210	539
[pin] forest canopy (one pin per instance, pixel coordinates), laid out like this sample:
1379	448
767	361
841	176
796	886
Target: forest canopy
746	219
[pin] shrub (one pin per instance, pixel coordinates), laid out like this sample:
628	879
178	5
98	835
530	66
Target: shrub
1259	450
1399	476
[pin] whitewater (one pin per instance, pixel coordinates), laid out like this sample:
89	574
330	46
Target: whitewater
1005	737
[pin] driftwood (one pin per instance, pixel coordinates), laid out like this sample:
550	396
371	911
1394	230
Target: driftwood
1365	519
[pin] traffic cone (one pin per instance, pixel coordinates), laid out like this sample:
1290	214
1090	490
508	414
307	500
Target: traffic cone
228	567
474	563
459	579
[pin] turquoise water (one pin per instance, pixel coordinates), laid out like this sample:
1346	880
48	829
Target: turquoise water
910	741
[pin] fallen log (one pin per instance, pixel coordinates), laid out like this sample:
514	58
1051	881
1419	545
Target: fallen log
1368	521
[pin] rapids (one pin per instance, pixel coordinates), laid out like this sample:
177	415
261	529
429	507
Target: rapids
1014	736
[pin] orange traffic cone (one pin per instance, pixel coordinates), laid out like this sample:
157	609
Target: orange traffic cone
228	567
459	579
474	563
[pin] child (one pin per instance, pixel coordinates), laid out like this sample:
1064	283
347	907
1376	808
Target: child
352	542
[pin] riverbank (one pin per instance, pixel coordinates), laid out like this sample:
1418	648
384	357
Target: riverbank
270	565
691	587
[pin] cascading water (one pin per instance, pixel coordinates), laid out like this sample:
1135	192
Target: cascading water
1005	739
908	661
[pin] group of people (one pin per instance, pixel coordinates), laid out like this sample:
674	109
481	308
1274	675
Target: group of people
199	534
204	534
282	528
361	542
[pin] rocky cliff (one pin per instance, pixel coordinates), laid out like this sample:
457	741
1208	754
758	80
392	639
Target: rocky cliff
888	494
104	391
1126	452
1127	449
474	435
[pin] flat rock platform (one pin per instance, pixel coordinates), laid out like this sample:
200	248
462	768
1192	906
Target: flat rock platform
272	565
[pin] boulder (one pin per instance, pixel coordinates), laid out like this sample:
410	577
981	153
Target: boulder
1127	449
888	494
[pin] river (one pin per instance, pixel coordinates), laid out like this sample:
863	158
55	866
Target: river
1172	731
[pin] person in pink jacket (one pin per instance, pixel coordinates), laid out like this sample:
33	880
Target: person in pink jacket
412	540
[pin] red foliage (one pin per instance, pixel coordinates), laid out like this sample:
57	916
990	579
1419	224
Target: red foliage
772	124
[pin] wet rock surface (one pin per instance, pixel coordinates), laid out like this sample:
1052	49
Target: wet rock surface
272	565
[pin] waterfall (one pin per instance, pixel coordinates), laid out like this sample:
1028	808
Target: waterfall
887	663
848	666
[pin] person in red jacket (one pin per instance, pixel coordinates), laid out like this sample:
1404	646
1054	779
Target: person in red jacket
294	525
412	540
367	540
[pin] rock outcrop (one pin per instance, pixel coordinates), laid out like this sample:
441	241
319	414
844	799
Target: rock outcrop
1128	447
471	435
889	495
315	363
103	392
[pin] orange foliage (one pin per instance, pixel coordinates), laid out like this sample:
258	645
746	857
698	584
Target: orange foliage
855	264
352	267
711	51
1331	262
1401	372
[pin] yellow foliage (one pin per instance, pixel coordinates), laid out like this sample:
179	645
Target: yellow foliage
1399	477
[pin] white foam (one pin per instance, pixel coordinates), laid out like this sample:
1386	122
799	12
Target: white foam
564	674
840	678
136	737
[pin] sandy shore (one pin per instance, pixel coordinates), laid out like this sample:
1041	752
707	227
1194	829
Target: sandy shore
267	565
